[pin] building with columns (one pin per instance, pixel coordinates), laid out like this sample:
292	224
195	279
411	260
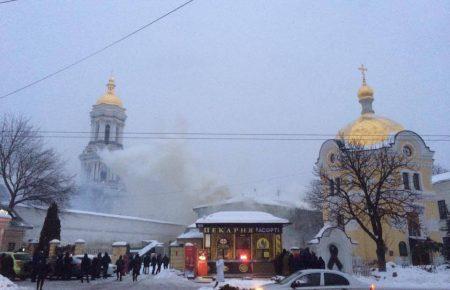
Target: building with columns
107	124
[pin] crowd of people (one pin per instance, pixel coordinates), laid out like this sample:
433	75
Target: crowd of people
133	264
289	262
64	267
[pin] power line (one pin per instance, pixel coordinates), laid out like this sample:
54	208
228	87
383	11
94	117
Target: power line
225	133
215	138
97	51
7	1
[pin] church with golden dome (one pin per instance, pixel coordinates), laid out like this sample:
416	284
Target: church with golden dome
371	132
107	124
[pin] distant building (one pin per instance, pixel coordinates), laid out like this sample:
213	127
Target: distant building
107	124
305	223
441	185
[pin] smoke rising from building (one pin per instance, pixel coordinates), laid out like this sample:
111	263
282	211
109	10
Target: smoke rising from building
162	182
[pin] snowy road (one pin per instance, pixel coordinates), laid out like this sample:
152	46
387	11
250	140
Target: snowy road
169	280
164	281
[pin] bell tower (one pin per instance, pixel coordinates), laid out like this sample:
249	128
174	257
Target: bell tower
107	124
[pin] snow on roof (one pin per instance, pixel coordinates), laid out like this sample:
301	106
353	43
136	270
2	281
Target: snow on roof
147	248
4	214
440	177
106	215
119	244
263	200
192	226
80	241
174	244
54	241
191	234
241	217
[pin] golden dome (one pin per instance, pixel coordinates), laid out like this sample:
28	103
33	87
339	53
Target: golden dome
369	129
365	92
110	98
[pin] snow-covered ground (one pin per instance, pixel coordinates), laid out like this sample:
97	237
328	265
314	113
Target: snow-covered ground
5	283
409	277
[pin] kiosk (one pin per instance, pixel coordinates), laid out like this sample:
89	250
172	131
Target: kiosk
247	241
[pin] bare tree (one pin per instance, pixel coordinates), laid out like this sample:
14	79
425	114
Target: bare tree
314	195
366	186
31	174
438	169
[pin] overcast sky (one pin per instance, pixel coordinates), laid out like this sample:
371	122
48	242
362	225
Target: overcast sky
231	66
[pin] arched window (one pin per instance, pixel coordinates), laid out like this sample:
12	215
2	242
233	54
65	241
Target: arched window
103	175
402	249
107	129
97	129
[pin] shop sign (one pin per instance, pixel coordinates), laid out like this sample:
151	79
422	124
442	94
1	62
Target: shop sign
242	230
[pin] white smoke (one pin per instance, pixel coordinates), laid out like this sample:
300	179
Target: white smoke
162	182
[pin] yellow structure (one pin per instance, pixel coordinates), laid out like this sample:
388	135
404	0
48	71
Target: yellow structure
110	97
373	131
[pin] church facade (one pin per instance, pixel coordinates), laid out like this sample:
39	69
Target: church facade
107	125
373	131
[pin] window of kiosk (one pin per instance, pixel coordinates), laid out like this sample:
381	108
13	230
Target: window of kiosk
224	249
262	249
243	247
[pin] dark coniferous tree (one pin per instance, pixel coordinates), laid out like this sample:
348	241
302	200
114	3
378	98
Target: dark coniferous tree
51	229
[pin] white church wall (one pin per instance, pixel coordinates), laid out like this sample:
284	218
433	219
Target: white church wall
100	230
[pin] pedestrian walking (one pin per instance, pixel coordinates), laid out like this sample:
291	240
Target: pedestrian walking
105	264
153	262
119	268
68	260
59	266
41	272
85	268
126	263
146	263
136	267
166	261
159	262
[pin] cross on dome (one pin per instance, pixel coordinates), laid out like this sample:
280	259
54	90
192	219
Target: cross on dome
363	70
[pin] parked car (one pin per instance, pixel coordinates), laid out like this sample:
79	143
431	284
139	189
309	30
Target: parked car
111	268
22	263
318	279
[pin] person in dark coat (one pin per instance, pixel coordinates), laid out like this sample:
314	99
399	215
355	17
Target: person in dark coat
59	267
85	268
166	261
159	262
68	260
120	265
146	263
136	266
41	272
8	267
105	264
98	269
94	265
34	262
154	262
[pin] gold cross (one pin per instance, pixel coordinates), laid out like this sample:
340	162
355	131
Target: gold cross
363	70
